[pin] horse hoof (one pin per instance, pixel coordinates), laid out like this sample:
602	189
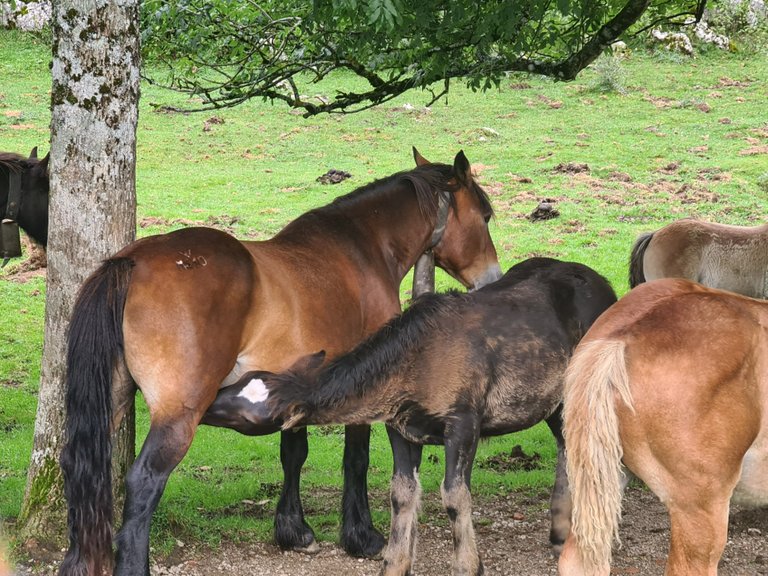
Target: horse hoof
363	543
312	549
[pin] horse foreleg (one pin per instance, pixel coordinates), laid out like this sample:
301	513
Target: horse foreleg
291	531
460	451
405	496
560	504
165	446
358	536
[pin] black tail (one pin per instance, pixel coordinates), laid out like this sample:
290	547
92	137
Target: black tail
636	273
325	397
95	345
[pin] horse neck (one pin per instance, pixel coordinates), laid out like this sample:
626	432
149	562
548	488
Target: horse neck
395	232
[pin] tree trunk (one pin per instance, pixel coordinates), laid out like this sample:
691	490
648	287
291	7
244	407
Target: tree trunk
92	215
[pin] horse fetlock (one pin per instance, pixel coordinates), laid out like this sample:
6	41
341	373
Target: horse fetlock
398	567
362	541
293	533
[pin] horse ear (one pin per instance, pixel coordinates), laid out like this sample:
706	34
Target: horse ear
420	160
43	164
461	167
309	363
33	154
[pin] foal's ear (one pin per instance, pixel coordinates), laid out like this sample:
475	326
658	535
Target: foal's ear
420	160
461	167
33	154
309	363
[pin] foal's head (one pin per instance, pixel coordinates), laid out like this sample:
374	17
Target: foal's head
465	249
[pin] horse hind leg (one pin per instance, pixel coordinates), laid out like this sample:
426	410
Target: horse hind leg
698	536
291	530
405	496
358	536
165	446
560	503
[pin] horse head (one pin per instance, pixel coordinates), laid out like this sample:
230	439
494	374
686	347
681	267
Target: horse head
464	247
31	175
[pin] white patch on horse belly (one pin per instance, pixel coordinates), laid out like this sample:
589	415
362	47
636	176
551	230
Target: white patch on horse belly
255	391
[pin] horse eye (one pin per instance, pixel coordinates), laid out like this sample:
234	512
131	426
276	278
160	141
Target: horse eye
487	217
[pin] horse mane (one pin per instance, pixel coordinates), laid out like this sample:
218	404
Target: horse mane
373	360
424	180
13	162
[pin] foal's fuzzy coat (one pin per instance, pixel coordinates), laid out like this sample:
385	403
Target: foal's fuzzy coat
453	368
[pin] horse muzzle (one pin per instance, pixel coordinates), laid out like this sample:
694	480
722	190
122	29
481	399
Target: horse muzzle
491	274
10	243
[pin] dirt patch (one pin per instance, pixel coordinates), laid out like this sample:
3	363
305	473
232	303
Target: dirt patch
512	532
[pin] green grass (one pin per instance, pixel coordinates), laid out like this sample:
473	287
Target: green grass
672	145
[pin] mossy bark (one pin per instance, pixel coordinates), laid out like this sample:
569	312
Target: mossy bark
94	105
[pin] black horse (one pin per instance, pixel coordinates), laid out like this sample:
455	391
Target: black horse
24	194
452	369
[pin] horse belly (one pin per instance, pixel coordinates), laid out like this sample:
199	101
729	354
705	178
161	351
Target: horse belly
752	489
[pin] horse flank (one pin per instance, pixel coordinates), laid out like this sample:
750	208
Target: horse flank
337	393
596	372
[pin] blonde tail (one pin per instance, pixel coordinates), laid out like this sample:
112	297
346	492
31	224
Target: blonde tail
591	428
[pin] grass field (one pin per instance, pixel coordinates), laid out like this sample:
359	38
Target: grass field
685	138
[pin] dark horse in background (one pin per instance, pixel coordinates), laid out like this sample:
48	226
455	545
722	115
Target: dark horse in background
671	382
183	314
24	193
452	369
733	258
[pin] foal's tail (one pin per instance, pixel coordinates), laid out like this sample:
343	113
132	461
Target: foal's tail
95	345
591	428
636	272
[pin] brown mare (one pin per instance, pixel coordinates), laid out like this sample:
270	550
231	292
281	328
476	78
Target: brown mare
452	369
24	197
731	258
672	382
182	314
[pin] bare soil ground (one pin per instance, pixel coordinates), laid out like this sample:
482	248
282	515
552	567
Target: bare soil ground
512	535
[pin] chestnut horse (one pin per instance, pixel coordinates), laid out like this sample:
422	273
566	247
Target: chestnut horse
182	314
24	197
673	382
731	258
452	369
